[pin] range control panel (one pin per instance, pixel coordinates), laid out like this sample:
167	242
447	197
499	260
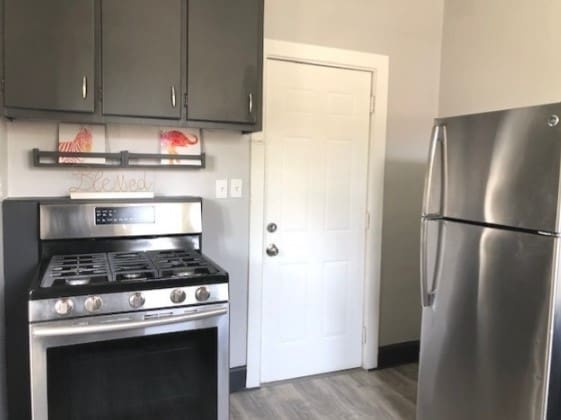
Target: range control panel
125	215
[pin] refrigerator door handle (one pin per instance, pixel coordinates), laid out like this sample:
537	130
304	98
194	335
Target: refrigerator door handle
437	144
428	290
425	297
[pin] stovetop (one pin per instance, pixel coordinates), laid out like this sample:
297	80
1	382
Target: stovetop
69	275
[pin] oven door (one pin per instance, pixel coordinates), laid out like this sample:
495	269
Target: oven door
167	364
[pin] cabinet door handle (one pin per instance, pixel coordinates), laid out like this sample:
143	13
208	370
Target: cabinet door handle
173	102
251	103
84	87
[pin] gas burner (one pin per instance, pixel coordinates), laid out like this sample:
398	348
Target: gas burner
186	273
78	282
135	276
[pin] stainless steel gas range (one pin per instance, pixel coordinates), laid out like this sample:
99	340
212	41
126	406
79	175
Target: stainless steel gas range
127	318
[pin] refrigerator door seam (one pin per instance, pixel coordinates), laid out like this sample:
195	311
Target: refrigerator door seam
495	226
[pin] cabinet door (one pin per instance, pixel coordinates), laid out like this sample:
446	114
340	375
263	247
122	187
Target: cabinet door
49	54
225	45
141	58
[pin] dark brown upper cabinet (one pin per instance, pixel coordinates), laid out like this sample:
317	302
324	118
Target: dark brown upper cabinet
141	58
49	55
224	61
177	62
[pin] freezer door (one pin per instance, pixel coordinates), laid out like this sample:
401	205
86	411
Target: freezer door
484	340
499	168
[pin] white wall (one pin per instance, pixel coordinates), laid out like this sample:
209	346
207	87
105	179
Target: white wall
226	222
500	54
410	33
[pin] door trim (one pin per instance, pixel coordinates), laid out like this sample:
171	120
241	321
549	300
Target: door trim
378	65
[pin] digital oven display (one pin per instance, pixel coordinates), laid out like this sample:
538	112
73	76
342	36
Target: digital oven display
125	215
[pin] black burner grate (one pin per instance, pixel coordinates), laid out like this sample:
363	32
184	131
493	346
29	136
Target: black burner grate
75	270
131	266
180	263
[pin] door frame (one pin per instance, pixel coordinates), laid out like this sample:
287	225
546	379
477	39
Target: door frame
378	66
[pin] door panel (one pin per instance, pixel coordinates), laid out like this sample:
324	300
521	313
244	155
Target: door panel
485	336
503	168
224	60
49	54
318	121
141	58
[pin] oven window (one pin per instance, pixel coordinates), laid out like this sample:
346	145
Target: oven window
156	377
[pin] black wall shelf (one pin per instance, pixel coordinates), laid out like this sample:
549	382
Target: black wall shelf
120	160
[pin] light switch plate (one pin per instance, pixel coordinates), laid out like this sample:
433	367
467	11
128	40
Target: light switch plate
221	188
236	188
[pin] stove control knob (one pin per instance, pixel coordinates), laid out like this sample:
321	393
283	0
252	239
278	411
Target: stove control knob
136	300
178	296
93	304
202	294
64	306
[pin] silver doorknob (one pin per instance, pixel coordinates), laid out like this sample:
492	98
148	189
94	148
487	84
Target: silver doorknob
272	250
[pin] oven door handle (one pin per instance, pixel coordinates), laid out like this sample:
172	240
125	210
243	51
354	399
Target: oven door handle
40	331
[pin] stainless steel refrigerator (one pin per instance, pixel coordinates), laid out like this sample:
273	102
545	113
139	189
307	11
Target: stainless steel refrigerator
490	262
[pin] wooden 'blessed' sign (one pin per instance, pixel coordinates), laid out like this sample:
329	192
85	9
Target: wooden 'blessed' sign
100	182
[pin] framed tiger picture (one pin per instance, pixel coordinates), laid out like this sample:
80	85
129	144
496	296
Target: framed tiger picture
81	138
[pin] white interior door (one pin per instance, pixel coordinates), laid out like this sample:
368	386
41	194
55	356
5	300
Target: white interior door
317	133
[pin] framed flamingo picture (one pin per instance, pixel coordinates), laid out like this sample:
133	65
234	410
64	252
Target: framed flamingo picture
180	141
81	138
